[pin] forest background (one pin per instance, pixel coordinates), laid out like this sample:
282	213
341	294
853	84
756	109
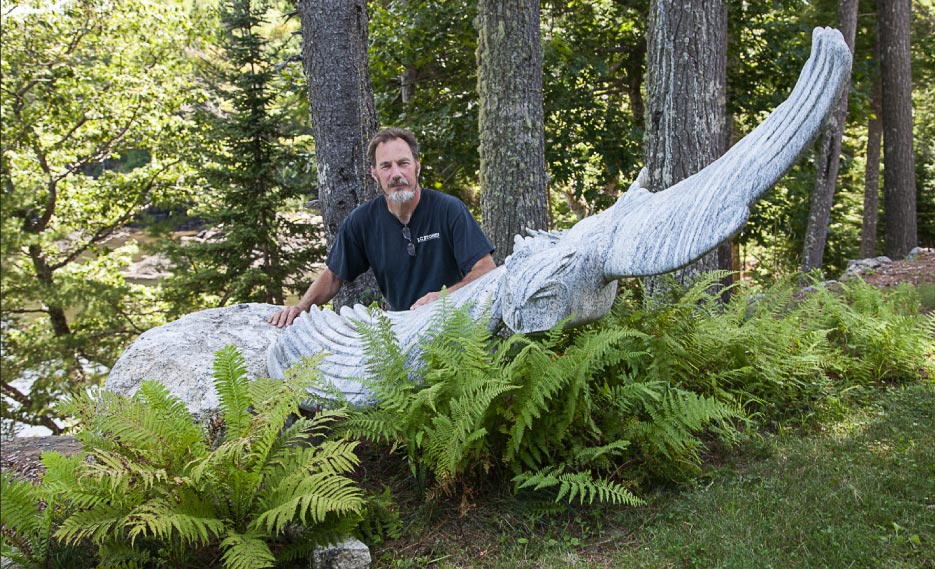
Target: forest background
127	127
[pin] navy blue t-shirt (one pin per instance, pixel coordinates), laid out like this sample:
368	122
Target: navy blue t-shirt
448	242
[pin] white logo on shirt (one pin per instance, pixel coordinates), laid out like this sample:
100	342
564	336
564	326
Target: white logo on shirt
425	238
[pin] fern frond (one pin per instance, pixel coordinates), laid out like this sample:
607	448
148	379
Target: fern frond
580	485
246	551
25	529
310	500
230	381
590	454
191	521
98	523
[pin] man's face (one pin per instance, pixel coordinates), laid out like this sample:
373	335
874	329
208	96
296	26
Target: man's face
396	170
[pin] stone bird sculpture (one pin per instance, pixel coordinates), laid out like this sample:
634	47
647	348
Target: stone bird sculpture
573	273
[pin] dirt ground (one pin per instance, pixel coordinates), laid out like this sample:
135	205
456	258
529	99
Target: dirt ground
920	270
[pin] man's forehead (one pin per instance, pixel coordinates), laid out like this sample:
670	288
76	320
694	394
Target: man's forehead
392	150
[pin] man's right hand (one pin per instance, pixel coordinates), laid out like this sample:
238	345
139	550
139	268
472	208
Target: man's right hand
285	316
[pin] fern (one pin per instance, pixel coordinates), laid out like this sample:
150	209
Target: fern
155	490
580	485
230	381
25	526
246	551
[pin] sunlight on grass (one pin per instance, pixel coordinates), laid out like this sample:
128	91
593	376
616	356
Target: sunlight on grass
860	498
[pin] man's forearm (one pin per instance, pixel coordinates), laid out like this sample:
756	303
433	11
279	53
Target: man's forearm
480	268
322	290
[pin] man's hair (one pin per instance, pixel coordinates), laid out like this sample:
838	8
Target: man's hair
388	134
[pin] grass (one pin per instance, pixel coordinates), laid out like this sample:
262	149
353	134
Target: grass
926	295
860	493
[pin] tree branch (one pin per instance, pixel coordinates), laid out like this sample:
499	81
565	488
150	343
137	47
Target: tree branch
105	231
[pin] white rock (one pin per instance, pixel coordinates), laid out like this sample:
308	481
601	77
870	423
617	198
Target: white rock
180	354
349	554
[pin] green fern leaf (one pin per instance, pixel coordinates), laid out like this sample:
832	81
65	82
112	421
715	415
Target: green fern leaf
246	551
230	381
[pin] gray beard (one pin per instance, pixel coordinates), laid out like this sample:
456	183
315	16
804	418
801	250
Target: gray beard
401	196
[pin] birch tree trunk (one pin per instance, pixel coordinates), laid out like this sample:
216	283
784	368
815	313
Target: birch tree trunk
899	180
344	118
511	123
828	157
686	121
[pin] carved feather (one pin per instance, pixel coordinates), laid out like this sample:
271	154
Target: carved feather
658	233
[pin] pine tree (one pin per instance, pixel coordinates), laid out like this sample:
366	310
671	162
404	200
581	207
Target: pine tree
252	172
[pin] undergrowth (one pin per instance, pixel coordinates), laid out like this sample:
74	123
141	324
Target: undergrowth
587	415
152	489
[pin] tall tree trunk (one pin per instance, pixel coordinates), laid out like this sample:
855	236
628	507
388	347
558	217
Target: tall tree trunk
868	229
511	124
686	118
344	118
899	180
829	157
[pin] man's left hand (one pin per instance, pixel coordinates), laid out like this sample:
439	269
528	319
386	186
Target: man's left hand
430	297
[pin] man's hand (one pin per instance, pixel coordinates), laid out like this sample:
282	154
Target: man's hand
285	316
430	297
322	290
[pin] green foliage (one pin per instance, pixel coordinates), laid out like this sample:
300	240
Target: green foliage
28	516
158	491
563	412
780	353
253	157
593	68
90	136
381	519
882	336
588	413
432	44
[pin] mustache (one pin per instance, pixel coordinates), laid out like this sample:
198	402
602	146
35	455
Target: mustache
399	183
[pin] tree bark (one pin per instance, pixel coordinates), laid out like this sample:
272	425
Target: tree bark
344	118
686	122
899	182
868	229
828	158
511	122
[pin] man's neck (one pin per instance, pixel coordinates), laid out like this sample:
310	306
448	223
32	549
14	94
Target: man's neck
403	212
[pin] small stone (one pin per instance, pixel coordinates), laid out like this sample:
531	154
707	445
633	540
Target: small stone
349	554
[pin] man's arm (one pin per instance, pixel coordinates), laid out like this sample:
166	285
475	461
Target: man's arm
322	290
480	268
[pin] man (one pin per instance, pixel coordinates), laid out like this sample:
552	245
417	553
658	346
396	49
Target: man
416	240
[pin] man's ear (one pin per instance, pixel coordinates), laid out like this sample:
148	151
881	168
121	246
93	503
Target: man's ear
373	174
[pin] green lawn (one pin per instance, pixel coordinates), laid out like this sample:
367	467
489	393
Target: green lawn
861	493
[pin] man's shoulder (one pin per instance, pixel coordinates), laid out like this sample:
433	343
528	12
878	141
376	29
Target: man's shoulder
441	200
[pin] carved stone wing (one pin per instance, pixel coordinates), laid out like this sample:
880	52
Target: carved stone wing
322	331
660	232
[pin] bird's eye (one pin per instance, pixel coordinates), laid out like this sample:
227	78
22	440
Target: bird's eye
543	294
